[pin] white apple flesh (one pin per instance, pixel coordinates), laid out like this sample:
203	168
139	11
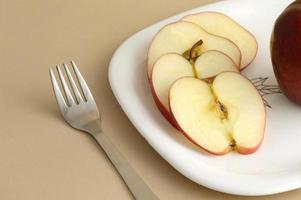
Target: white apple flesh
211	63
227	114
181	36
219	24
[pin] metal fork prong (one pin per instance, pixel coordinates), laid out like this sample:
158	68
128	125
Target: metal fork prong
70	99
82	82
77	94
59	97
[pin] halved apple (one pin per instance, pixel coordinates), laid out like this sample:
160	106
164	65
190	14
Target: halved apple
219	24
181	36
211	63
227	114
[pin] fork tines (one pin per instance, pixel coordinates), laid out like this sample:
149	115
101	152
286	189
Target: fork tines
69	98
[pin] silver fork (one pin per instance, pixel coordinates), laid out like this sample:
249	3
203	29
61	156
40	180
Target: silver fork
82	113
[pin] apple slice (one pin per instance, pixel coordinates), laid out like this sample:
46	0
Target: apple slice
166	71
227	114
180	37
219	24
170	67
211	63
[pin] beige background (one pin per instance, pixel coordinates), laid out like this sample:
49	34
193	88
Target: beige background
41	157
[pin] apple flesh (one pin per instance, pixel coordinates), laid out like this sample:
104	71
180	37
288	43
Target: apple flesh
181	36
227	114
219	24
211	63
285	51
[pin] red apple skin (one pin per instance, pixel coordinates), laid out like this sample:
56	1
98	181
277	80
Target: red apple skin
246	151
286	51
161	107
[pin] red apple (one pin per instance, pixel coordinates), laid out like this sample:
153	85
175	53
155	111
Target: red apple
286	51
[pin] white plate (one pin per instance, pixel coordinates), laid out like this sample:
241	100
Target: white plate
275	168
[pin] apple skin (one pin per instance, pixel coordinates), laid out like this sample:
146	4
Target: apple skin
246	151
161	107
285	51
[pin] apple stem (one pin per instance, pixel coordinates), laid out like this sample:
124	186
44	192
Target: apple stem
265	89
193	53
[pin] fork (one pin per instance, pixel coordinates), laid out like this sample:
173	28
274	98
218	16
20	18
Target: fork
81	113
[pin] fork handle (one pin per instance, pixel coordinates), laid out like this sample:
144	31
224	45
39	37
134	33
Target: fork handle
134	182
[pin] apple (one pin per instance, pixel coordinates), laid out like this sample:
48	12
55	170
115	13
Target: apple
180	37
226	114
219	24
170	67
285	51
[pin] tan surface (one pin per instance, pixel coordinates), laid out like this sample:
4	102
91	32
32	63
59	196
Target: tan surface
41	157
